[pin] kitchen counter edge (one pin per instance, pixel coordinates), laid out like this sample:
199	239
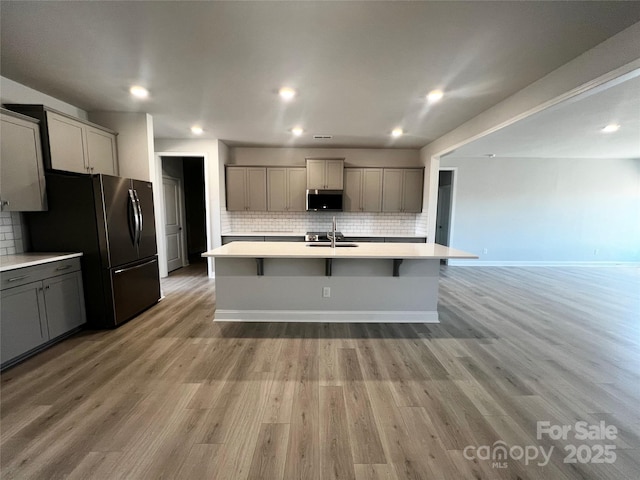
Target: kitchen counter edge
424	251
29	259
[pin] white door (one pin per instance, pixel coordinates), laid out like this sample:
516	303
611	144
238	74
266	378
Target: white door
173	222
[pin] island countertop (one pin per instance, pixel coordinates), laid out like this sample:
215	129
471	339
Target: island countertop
424	251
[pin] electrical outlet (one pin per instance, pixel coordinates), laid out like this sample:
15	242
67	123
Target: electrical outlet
326	292
485	251
595	251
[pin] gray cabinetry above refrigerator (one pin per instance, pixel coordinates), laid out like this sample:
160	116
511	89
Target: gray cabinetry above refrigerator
71	144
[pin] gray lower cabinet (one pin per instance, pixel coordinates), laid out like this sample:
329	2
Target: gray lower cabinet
46	303
24	325
405	239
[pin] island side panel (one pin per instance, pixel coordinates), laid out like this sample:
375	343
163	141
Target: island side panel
362	290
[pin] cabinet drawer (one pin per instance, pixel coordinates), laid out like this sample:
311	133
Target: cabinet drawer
22	276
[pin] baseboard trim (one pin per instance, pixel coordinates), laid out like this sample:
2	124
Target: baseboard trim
518	263
328	316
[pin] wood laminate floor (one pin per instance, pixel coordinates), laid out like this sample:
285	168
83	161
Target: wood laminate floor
173	395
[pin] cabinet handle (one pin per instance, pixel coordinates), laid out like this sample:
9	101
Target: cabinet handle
15	279
64	267
47	287
91	168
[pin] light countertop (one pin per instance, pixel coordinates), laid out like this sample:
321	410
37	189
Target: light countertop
302	234
363	250
21	260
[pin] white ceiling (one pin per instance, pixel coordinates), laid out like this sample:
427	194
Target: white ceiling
361	68
572	129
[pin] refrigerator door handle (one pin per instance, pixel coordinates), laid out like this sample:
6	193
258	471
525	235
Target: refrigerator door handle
135	194
136	218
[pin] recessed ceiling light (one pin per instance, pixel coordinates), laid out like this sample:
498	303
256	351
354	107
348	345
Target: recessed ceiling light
612	127
434	95
197	130
287	93
139	92
297	131
396	132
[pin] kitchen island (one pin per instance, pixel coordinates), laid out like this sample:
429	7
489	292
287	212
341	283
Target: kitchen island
298	282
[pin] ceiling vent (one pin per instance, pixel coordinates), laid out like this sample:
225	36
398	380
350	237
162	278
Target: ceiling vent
323	137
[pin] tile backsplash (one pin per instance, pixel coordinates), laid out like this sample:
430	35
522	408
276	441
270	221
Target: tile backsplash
11	233
362	223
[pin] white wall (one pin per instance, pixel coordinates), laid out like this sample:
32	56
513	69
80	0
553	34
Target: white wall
135	146
547	210
353	157
613	58
210	149
14	92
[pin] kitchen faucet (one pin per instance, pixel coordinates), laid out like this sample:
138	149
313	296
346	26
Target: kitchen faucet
332	233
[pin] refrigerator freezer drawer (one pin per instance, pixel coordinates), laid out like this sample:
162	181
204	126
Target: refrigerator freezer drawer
135	288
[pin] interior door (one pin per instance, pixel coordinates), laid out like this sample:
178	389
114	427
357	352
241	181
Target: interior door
172	222
443	215
148	245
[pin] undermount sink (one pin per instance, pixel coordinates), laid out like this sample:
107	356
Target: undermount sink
329	245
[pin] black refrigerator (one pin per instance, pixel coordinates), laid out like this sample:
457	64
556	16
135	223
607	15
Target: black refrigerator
111	221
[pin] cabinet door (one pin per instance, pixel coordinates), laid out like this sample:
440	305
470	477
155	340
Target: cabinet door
372	190
297	189
64	301
22	320
352	196
101	151
316	174
277	189
412	190
257	189
334	174
67	144
236	189
21	170
392	190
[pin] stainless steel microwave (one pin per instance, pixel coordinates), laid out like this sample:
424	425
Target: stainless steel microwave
324	200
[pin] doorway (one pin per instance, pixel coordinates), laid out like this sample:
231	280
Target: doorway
444	212
173	221
183	190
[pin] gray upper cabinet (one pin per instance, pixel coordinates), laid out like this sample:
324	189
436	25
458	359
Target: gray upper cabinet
67	144
22	184
363	189
286	188
102	155
73	145
325	174
246	188
402	190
